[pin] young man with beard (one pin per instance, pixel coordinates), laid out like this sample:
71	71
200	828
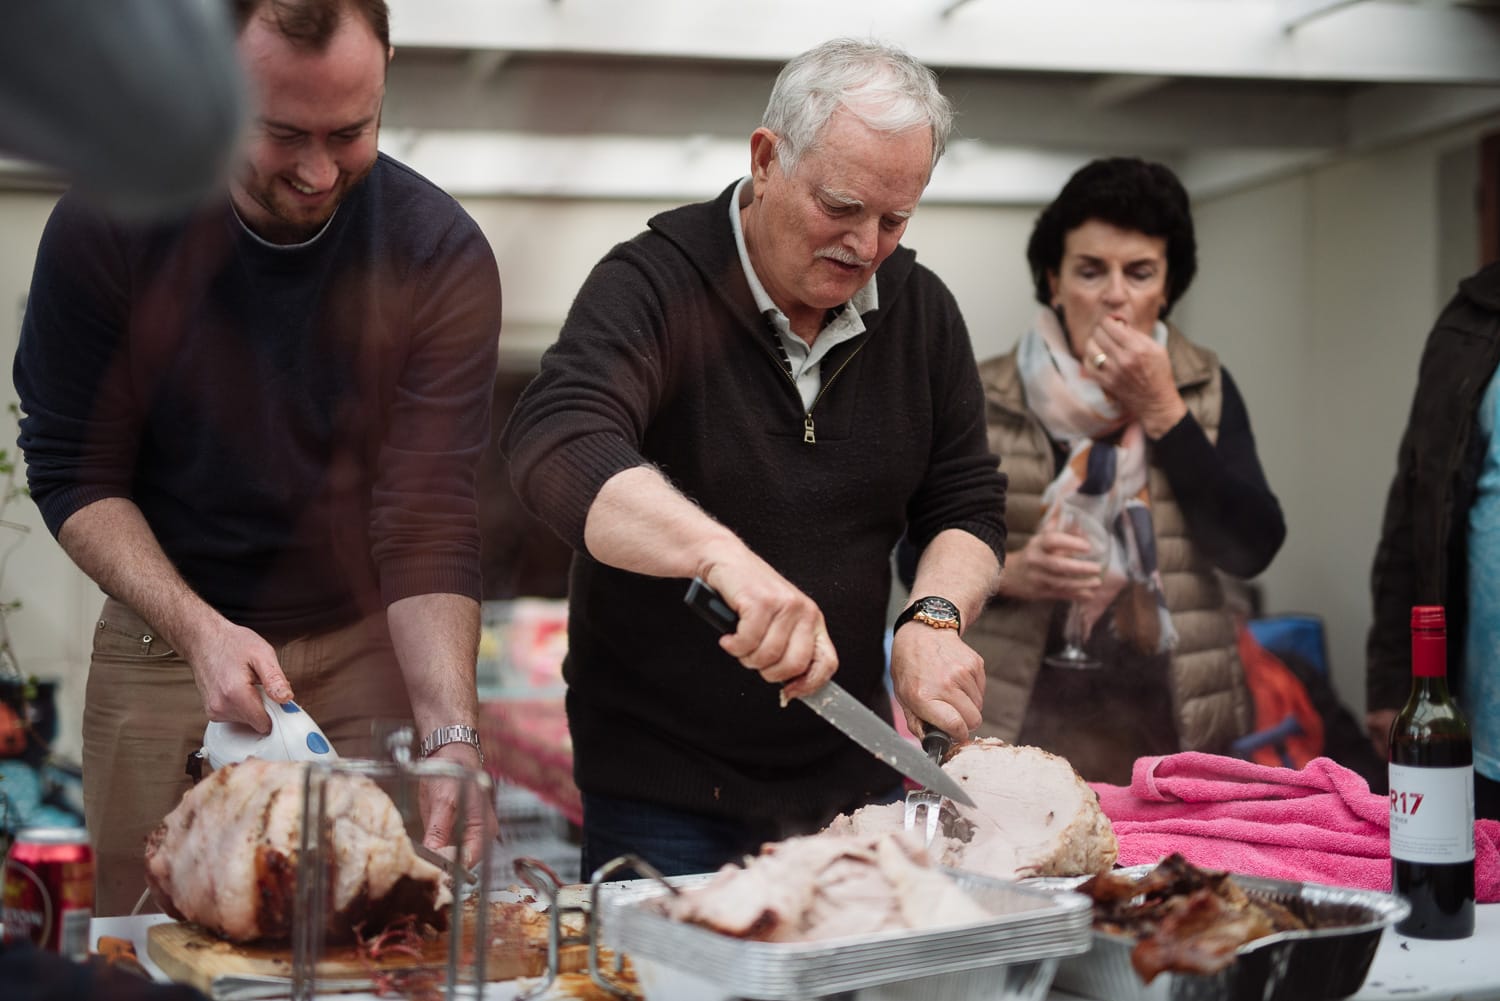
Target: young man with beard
256	426
765	391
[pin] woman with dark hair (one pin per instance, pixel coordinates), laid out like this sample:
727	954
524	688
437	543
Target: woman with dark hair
1102	408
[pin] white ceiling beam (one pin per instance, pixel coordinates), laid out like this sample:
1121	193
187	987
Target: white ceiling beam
1119	88
1209	174
527	165
517	165
483	64
1382	116
24	175
579	96
951	6
1372	41
470	164
522	165
1295	13
491	163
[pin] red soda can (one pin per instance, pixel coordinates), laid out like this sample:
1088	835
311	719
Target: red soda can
48	892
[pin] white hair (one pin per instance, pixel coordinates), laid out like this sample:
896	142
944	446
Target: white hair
879	84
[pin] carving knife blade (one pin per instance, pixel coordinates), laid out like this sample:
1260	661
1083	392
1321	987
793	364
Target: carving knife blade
832	702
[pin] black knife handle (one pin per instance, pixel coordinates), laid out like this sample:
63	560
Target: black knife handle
705	601
936	743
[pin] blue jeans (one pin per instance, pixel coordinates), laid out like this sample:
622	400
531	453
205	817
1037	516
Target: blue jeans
678	842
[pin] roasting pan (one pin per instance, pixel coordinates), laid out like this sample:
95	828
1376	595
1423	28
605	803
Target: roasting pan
1011	956
1316	965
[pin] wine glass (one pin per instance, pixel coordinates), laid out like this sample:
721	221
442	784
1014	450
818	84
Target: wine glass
1077	521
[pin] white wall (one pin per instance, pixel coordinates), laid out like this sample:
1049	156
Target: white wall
545	249
52	630
980	253
1248	303
1317	291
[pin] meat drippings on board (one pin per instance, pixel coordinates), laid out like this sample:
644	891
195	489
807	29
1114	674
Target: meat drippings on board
1184	919
226	856
827	886
1033	815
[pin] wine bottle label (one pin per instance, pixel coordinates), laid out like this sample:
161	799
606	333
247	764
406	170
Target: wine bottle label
1432	814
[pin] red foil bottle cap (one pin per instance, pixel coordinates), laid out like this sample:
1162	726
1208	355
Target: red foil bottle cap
1428	617
1429	641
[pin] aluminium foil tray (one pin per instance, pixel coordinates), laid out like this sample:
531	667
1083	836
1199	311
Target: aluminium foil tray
1028	931
1315	965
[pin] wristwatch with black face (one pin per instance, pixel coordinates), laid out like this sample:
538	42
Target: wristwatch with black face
939	613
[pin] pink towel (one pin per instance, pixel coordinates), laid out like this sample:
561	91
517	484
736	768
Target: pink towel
1318	824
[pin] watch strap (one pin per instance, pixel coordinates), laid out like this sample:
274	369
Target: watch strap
453	733
922	605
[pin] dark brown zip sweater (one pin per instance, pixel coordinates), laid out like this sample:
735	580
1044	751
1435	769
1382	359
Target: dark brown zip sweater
664	359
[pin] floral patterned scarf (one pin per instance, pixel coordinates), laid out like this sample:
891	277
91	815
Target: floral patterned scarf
1105	475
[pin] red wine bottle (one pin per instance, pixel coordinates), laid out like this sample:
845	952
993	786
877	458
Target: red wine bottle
1432	793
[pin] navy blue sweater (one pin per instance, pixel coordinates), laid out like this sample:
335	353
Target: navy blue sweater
665	359
299	425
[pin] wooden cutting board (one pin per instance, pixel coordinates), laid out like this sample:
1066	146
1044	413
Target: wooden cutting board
189	954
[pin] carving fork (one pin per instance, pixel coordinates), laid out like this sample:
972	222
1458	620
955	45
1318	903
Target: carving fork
924	806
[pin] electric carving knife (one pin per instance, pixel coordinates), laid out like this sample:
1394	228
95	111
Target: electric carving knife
294	736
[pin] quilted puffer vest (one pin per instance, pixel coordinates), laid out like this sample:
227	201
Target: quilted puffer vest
1210	701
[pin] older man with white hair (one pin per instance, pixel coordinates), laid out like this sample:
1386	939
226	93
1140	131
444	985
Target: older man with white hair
765	391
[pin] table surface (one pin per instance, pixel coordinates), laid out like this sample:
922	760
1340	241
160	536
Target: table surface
1414	968
134	928
1405	969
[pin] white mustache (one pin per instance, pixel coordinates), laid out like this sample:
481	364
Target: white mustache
844	257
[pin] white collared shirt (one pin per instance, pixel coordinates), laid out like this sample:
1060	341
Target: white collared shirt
807	362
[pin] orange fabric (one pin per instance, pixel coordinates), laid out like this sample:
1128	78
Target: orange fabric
1278	692
12	733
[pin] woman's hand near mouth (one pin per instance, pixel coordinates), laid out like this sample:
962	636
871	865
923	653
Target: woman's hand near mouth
1136	373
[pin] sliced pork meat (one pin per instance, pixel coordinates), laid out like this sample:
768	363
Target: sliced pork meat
1185	919
226	857
827	886
1033	815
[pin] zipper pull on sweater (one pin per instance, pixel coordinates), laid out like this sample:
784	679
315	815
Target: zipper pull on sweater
808	435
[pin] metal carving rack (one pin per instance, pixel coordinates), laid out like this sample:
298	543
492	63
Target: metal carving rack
541	879
463	969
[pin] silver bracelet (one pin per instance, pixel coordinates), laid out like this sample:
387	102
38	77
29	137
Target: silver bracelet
453	733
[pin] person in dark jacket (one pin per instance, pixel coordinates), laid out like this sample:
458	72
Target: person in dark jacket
764	391
1440	538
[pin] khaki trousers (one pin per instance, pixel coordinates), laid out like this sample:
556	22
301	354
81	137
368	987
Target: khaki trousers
143	717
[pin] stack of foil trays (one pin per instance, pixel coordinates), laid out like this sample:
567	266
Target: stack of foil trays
1323	963
1010	957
